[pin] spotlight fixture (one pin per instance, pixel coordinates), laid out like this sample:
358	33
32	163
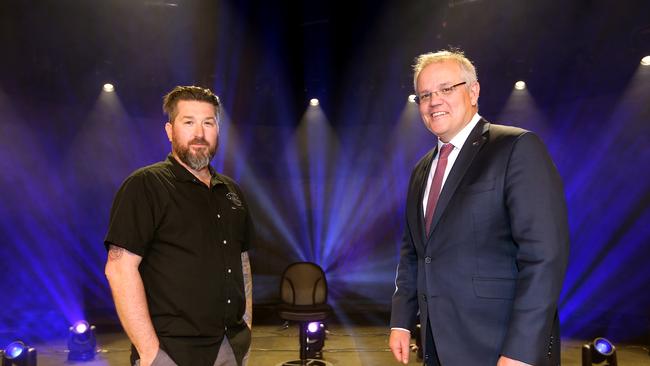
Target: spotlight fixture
315	334
598	351
520	85
645	61
82	343
412	98
18	354
109	88
313	327
314	102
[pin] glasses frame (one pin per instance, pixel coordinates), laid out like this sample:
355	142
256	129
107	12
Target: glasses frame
438	93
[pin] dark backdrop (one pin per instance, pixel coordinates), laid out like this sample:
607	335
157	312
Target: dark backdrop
326	184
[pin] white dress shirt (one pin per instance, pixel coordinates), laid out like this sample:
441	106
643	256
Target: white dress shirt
457	141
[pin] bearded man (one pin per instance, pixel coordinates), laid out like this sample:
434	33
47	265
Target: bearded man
177	242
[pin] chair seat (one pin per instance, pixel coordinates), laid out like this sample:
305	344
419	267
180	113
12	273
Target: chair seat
303	313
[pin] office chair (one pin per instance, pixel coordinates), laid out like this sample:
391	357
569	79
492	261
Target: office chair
303	291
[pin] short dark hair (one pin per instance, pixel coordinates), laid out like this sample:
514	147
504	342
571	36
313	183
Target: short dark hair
197	93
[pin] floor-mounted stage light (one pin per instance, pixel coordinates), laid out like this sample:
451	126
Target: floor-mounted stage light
599	351
82	344
315	339
18	354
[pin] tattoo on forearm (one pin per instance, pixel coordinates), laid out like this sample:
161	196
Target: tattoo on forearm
248	281
115	252
248	288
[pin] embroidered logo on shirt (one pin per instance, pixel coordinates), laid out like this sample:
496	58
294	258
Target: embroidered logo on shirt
232	196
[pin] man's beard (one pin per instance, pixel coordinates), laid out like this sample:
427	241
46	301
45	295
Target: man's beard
195	160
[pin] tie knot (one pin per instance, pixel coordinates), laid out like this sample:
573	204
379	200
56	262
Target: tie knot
445	150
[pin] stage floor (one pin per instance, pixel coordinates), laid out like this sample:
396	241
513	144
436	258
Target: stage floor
345	346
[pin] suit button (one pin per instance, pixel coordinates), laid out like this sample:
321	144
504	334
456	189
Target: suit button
424	297
427	260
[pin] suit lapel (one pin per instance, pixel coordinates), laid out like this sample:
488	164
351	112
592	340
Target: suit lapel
424	177
415	214
472	145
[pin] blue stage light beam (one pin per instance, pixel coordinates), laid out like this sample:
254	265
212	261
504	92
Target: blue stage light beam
231	158
618	207
320	147
33	232
522	110
365	193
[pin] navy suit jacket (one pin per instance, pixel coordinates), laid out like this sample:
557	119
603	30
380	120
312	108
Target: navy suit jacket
489	275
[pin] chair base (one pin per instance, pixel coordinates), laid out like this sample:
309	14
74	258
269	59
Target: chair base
307	362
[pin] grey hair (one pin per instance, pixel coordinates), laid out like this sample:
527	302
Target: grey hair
467	69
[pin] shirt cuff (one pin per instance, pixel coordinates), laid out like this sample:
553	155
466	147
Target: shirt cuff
404	329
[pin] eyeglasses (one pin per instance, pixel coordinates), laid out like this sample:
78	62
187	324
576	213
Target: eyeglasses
426	97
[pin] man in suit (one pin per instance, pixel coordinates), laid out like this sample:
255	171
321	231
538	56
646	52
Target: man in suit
486	241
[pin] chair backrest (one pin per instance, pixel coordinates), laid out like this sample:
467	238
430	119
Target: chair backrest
303	283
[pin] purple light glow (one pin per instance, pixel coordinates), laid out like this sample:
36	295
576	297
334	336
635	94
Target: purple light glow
80	327
604	346
14	350
313	327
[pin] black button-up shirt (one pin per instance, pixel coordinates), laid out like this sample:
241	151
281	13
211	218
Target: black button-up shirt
190	238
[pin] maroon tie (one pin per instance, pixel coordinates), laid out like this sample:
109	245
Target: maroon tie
436	183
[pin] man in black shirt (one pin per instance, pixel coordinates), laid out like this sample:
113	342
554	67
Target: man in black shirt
178	242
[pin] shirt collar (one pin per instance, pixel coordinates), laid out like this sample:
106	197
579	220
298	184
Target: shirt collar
459	140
